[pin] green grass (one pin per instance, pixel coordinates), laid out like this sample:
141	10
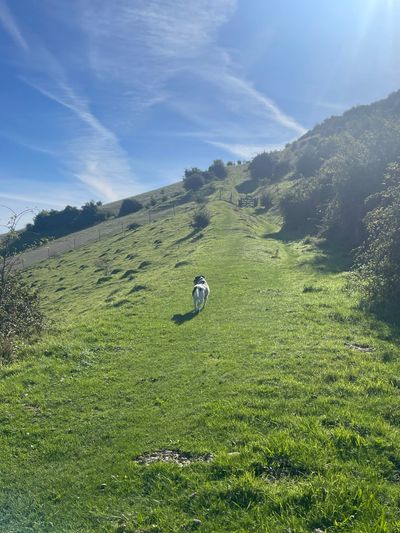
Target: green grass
272	379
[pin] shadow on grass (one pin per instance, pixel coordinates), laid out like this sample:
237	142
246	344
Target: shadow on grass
329	258
195	233
181	319
247	186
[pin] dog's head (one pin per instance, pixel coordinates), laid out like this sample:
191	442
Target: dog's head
199	279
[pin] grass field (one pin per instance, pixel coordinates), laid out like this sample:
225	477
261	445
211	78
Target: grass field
280	400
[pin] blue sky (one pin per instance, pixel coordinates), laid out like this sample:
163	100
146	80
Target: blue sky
105	99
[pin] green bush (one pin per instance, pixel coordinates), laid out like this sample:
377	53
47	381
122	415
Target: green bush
20	315
378	260
128	206
201	218
193	180
218	169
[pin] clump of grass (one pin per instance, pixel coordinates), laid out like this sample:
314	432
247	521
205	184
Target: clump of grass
137	288
311	288
128	273
103	279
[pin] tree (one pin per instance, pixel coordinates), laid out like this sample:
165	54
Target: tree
218	169
128	206
193	180
263	166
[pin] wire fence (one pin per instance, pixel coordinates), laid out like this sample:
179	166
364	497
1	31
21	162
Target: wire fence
93	234
109	228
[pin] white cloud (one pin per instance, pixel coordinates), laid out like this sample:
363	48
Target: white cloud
9	24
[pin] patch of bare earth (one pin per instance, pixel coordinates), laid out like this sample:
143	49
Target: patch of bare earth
172	456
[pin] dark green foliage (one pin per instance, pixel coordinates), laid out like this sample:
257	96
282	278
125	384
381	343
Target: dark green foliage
128	206
335	168
378	260
263	165
193	180
339	192
301	205
269	166
218	169
54	224
201	218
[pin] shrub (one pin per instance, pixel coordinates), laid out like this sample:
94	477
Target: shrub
201	218
20	314
128	206
378	260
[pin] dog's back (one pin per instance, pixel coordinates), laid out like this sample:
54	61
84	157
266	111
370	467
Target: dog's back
200	293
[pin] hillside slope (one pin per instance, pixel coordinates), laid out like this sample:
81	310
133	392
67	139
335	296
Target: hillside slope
280	396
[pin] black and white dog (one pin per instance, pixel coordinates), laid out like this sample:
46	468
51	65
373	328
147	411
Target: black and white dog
200	293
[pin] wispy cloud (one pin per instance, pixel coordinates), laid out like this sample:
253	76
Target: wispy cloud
243	89
332	106
245	151
30	200
9	24
30	145
95	156
169	39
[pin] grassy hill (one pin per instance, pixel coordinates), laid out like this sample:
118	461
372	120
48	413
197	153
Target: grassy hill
275	409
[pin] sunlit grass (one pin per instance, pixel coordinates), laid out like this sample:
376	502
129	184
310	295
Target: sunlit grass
271	379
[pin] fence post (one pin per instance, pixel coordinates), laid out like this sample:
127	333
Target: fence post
149	217
99	232
173	207
74	243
